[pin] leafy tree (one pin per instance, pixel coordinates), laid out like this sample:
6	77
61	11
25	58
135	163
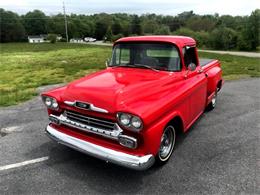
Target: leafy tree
100	30
35	22
136	27
227	21
242	44
211	31
224	38
56	25
116	37
108	35
184	16
150	26
117	28
103	21
163	30
202	38
198	23
174	23
73	30
253	29
185	32
11	28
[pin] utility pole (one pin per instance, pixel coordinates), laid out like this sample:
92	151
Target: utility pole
66	23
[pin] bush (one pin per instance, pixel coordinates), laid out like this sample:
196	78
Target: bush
52	38
202	37
163	30
223	38
242	44
184	32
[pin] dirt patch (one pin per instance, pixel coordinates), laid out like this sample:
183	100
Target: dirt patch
7	130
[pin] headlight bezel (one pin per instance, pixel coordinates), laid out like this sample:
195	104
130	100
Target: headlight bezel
54	103
130	125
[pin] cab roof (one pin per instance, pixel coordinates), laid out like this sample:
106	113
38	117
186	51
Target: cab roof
177	40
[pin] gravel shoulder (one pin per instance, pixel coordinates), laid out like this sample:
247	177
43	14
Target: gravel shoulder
235	53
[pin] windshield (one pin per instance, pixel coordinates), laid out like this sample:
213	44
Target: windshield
160	56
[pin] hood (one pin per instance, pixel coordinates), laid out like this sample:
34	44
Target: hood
119	89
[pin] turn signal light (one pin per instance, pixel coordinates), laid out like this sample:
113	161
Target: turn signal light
127	141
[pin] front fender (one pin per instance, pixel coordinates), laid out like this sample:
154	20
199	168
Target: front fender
153	134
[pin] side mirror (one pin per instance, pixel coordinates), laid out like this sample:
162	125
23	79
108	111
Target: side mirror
191	67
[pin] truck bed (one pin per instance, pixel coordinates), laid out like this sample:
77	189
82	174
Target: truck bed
204	62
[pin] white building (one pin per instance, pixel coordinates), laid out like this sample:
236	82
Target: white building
59	37
36	39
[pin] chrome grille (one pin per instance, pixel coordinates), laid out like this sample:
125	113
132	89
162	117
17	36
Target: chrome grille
94	122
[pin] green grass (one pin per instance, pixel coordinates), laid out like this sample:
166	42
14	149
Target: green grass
24	66
236	67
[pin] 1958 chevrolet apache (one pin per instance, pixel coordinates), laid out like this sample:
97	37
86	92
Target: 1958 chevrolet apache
130	114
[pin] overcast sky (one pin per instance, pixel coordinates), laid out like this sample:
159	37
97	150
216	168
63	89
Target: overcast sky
165	7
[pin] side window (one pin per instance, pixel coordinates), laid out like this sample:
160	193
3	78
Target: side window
121	56
125	56
117	56
190	56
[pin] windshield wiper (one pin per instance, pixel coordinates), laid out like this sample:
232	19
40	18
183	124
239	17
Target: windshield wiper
145	66
135	66
121	65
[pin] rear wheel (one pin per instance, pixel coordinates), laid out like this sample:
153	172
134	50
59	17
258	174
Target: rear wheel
168	140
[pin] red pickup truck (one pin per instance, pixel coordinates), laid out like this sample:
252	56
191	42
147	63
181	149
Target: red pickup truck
131	113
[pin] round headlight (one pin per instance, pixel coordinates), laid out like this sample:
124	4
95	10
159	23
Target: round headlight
136	122
55	104
124	119
48	102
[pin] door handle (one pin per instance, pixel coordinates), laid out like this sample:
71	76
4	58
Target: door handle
200	71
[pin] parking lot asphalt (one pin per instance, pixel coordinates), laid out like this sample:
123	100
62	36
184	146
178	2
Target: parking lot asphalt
219	154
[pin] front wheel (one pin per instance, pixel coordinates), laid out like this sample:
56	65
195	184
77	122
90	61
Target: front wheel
167	145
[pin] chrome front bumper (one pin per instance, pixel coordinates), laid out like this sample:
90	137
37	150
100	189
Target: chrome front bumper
119	158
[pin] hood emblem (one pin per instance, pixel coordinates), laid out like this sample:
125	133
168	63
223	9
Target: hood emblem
85	106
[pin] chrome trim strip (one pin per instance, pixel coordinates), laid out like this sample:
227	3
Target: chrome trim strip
87	128
91	106
119	158
97	109
69	103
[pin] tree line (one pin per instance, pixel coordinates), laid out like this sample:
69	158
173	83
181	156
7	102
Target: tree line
210	31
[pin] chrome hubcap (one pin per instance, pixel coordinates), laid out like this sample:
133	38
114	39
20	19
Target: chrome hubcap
167	143
214	100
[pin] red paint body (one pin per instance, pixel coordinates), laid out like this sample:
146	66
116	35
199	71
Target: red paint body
156	97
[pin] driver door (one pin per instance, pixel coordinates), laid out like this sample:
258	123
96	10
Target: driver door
197	82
